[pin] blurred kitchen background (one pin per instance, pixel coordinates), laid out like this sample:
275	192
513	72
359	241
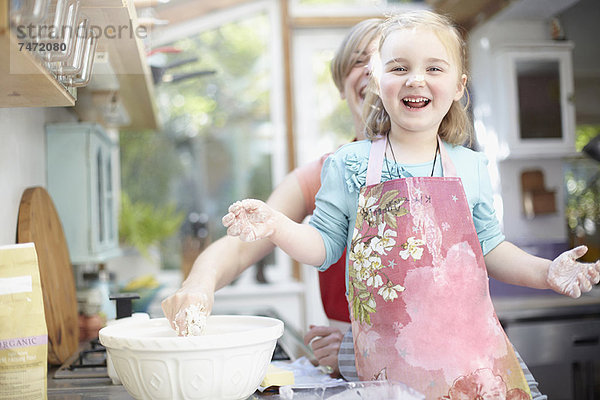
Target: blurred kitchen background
211	102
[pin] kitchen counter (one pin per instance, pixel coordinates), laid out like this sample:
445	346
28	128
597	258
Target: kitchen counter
84	388
547	306
103	389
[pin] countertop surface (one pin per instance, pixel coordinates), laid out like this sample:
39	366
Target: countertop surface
102	388
84	388
547	306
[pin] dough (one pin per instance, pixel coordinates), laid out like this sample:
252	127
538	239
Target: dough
194	320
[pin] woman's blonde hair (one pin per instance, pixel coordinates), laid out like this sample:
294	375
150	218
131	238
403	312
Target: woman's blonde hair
455	127
354	47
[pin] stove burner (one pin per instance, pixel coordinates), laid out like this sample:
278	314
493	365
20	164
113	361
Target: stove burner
89	362
93	358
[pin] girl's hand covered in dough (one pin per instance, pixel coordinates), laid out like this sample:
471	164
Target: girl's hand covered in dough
187	309
570	277
250	220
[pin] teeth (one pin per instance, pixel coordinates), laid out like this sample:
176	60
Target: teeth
417	100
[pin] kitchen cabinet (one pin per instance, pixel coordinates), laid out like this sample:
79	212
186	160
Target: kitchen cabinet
561	354
81	167
25	82
535	106
559	340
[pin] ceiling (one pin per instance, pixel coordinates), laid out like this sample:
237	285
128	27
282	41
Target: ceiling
466	13
469	13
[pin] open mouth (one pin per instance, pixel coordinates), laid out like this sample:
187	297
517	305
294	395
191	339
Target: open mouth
362	93
416	102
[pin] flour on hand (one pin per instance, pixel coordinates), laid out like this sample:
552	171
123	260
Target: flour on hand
194	320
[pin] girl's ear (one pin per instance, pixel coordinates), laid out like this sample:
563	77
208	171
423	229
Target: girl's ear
460	90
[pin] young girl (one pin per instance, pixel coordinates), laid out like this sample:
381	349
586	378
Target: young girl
415	212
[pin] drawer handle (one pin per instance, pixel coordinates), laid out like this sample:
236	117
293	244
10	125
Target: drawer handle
585	341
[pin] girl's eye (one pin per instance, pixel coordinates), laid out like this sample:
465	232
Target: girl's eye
434	69
398	69
360	63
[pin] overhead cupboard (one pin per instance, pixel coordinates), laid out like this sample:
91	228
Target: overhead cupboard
81	168
535	102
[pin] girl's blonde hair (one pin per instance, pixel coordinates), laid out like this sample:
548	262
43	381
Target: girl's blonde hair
455	127
354	47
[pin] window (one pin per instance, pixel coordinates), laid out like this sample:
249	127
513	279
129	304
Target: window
221	115
323	119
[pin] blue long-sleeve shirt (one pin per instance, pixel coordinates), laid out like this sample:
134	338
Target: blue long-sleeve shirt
344	174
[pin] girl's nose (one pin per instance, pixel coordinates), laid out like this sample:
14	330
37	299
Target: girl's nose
415	80
367	70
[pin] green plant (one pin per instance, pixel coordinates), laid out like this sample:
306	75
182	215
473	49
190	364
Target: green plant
142	225
585	133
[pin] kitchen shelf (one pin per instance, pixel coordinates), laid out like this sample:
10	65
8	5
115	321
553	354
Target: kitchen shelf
24	82
33	86
127	58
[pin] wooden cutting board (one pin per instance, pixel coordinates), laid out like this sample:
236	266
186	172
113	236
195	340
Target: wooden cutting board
39	223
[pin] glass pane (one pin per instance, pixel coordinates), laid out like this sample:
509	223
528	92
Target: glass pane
539	99
100	169
217	139
221	122
323	119
109	201
335	120
109	176
582	180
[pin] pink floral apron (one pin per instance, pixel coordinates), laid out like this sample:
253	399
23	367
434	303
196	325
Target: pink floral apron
418	291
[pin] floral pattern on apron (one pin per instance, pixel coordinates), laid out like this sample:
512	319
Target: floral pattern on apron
418	291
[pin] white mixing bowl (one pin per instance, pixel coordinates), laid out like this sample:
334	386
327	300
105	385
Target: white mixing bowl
228	362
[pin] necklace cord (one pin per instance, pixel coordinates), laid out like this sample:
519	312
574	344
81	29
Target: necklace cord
437	149
387	166
393	155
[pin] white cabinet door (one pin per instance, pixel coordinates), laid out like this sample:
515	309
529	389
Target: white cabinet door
80	170
535	100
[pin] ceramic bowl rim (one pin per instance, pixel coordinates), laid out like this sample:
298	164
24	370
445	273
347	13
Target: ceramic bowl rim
122	335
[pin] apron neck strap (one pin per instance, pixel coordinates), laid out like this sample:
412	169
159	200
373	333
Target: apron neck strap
448	169
377	154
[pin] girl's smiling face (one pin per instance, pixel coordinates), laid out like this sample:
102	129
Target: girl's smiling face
419	80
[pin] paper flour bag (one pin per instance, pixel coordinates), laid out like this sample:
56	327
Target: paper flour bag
23	332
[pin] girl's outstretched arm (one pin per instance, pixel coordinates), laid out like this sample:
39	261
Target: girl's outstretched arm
253	220
225	259
564	274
